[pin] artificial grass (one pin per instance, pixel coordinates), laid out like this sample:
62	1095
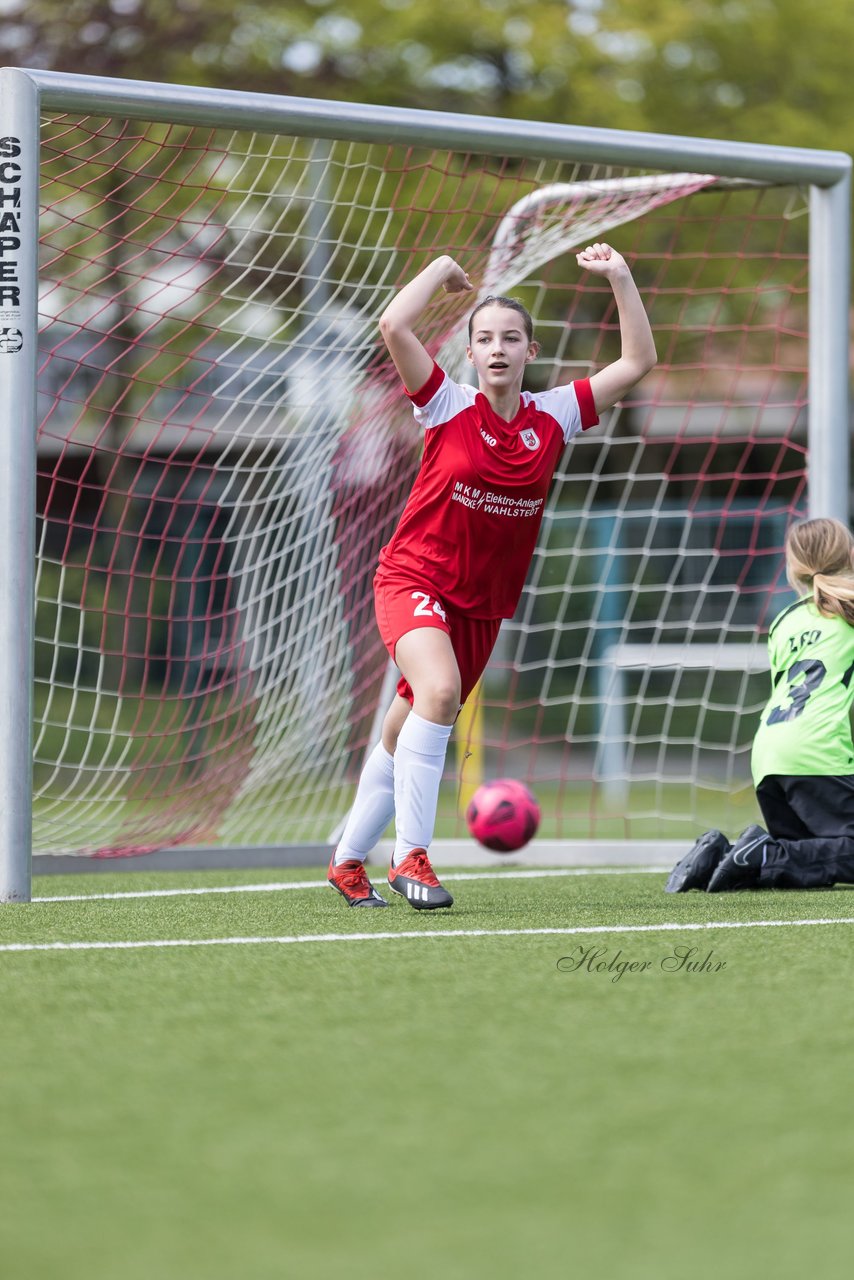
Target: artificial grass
454	1107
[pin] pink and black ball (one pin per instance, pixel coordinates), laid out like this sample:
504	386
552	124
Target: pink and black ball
503	815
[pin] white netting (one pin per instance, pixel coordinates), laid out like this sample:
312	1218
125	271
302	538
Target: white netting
224	448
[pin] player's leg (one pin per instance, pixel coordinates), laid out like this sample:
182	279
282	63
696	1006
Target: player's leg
371	812
373	809
403	611
781	819
809	843
439	687
428	664
373	806
711	864
416	629
394	720
821	853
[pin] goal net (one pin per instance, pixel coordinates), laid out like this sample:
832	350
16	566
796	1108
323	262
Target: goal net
223	448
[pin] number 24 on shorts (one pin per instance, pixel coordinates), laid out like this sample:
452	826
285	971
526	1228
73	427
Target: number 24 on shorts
424	608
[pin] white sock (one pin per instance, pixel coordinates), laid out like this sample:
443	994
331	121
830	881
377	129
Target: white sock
418	765
373	808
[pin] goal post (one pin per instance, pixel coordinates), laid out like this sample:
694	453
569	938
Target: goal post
213	265
19	169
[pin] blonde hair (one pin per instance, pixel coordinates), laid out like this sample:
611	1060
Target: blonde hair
819	563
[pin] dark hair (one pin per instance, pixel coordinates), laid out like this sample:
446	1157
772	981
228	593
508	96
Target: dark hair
513	304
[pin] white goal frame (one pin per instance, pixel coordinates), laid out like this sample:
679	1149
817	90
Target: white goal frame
24	94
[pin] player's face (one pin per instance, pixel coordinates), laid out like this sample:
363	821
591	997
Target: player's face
499	347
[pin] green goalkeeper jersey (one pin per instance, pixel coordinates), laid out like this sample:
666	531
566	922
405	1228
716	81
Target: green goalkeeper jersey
805	728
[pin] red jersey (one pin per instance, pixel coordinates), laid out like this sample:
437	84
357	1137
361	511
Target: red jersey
470	525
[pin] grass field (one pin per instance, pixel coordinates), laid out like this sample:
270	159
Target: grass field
441	1102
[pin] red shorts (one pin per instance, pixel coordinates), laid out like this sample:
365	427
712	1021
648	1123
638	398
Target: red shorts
402	606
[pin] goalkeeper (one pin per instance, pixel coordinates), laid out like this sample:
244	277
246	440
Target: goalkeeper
457	562
803	754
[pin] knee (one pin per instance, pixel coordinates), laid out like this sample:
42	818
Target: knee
438	700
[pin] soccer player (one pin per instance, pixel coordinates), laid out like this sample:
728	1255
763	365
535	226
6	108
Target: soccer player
457	562
803	754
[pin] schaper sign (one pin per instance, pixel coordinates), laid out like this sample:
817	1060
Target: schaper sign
11	337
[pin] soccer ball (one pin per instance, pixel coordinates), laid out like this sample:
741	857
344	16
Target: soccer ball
503	815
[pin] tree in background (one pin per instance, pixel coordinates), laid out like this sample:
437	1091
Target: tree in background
769	70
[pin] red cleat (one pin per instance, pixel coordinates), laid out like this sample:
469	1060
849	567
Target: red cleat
415	880
351	881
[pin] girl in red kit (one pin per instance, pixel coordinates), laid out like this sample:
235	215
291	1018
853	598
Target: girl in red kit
457	562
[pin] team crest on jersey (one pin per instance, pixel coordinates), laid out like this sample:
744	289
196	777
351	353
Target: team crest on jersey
530	439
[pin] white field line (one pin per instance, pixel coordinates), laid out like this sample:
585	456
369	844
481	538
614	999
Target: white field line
320	884
410	934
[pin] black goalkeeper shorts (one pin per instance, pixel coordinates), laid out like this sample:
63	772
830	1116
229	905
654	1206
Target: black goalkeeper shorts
804	807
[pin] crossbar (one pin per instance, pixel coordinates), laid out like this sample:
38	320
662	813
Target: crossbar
317	118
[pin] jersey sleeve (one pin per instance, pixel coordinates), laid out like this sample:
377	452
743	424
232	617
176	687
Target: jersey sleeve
571	405
439	399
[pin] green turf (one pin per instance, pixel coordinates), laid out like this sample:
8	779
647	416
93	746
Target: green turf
421	1107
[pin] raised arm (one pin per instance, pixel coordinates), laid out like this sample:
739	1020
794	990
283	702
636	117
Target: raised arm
405	310
638	354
